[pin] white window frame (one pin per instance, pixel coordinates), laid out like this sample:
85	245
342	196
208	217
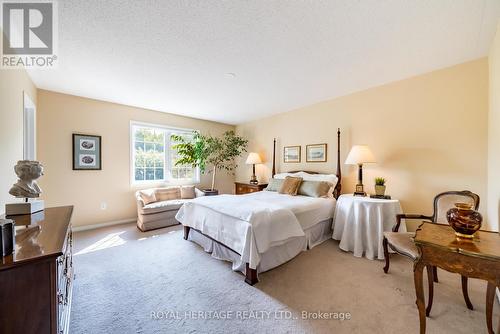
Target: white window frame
29	128
167	163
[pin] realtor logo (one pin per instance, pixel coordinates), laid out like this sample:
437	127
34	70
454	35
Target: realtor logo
28	34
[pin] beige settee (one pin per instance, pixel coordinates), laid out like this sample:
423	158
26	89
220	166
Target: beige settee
157	207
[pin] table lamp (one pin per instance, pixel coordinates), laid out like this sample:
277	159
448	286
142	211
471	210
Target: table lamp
253	158
359	155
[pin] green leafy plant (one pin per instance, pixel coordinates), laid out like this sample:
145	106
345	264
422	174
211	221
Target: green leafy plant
205	150
379	181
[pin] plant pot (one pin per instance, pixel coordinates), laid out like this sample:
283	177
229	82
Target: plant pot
464	220
210	192
379	190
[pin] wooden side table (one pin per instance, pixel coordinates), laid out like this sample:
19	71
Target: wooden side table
479	258
246	188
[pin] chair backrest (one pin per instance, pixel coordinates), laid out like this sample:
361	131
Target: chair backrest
445	201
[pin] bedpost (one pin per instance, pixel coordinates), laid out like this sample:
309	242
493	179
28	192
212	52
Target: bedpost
186	232
339	172
251	275
274	157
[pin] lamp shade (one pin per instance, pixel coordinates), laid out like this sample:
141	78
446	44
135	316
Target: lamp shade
253	158
359	154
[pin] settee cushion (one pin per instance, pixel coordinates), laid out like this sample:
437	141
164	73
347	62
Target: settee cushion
165	194
169	205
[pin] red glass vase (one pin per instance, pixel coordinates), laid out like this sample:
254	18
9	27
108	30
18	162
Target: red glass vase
464	220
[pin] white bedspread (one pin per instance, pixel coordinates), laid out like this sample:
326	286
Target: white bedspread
250	224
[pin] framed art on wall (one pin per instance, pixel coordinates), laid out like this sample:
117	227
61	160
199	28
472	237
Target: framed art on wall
291	154
316	153
86	152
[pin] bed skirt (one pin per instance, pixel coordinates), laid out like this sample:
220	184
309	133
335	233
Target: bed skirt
276	255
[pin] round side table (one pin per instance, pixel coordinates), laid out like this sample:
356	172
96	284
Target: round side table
360	223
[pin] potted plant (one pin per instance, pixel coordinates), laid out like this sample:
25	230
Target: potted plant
379	186
206	151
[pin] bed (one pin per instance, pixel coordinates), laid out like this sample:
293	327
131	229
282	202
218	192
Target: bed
260	231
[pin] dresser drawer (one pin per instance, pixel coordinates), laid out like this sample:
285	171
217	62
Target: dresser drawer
64	303
244	188
65	284
241	190
65	261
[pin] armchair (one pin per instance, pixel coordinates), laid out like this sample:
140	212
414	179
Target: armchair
402	243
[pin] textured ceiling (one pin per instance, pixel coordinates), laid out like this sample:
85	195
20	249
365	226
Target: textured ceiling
176	56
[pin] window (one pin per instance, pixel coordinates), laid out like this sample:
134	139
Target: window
153	158
29	152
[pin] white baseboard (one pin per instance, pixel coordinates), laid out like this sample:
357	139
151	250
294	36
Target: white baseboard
94	226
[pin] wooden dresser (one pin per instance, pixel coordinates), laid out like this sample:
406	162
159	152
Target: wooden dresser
36	281
245	188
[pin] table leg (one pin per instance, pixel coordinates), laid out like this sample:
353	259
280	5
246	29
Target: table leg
490	298
430	279
435	272
466	293
419	290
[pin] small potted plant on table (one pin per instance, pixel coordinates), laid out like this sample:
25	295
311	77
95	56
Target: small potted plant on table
380	186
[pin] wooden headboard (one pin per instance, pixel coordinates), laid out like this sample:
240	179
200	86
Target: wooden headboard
338	187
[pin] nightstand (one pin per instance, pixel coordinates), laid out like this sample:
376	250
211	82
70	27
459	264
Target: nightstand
246	188
360	223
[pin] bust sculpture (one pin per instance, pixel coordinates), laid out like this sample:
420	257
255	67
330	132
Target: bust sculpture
26	187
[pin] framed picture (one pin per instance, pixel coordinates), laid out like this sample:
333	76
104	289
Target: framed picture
291	154
316	153
86	152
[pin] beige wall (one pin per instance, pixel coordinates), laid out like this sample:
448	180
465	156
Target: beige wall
494	135
60	115
12	85
428	134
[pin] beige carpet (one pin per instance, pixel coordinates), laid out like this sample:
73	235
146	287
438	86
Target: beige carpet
126	280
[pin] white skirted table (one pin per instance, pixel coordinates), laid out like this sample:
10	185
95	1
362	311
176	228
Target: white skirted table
360	223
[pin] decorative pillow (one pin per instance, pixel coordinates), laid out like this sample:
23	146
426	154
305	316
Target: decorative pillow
188	192
148	196
290	185
314	188
274	184
332	179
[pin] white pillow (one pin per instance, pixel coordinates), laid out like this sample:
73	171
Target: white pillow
282	176
330	178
